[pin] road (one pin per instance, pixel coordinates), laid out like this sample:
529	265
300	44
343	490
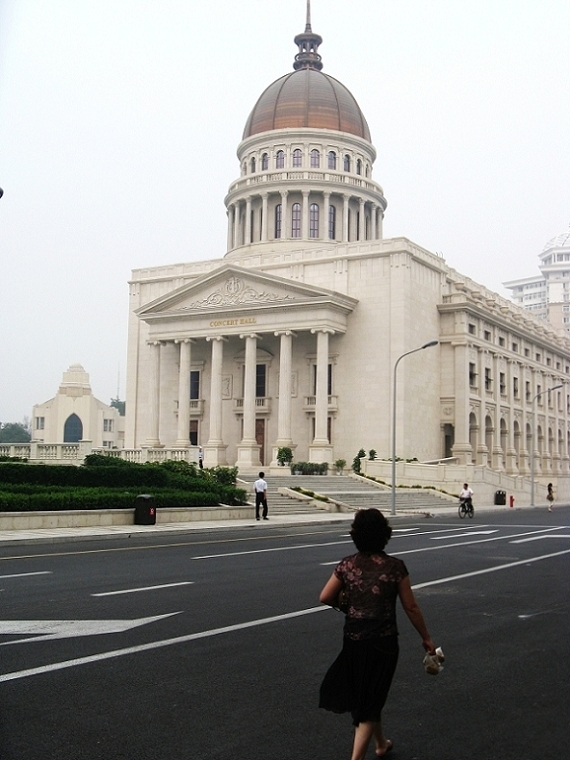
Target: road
203	647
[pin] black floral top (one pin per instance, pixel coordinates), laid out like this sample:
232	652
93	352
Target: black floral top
370	584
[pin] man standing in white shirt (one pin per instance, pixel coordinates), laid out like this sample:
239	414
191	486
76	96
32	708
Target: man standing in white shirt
260	488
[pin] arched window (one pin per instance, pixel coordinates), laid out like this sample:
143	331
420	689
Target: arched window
244	167
280	160
315	159
297	157
332	159
296	220
253	165
332	222
264	162
359	167
278	212
347	163
73	429
314	221
367	170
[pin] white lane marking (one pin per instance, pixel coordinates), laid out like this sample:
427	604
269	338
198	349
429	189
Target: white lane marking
459	543
143	588
156	645
403	530
462	535
25	575
273	549
42	630
494	569
539	538
230	628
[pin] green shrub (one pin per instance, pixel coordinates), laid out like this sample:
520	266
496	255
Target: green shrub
356	461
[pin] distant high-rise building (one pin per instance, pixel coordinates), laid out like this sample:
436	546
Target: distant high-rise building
547	294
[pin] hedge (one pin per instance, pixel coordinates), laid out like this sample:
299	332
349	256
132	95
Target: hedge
104	498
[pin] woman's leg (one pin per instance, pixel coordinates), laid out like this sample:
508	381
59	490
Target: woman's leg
382	743
362	735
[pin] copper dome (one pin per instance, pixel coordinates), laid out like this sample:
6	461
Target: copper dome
307	98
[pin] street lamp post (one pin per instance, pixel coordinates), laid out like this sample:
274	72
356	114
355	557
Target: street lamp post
541	393
394	395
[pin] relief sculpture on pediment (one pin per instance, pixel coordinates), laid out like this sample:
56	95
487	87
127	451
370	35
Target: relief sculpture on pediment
235	292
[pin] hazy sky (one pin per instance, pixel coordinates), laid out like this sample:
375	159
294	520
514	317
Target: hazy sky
119	122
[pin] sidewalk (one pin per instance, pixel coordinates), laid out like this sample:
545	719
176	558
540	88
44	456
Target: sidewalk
54	535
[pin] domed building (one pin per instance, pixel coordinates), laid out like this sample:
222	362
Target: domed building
292	337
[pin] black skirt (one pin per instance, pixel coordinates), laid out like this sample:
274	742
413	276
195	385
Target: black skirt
359	679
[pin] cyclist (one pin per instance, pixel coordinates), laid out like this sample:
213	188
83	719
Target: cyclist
466	496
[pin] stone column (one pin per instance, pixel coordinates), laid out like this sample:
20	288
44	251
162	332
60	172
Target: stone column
373	215
247	240
482	450
511	453
498	463
284	215
321	450
285	372
183	438
324	222
153	438
361	220
345	200
249	389
237	241
264	207
230	227
248	450
215	450
461	447
305	216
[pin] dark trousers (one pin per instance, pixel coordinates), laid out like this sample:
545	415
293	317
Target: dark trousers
259	500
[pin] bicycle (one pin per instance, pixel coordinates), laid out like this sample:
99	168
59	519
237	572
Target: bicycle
466	508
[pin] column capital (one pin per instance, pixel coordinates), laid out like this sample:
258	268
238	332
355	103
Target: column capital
216	337
328	330
277	333
184	340
243	336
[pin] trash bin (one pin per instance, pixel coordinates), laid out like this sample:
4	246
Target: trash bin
145	509
501	497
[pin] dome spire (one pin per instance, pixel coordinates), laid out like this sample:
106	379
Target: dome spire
308	44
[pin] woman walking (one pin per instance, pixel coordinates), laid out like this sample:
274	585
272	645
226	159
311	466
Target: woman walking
365	586
549	496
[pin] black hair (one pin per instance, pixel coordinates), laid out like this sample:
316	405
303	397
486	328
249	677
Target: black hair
370	531
261	474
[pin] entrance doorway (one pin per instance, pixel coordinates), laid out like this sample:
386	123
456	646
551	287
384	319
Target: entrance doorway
260	439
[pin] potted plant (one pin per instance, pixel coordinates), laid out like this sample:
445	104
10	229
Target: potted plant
340	464
284	455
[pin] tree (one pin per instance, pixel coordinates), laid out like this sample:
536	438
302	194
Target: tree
118	405
15	432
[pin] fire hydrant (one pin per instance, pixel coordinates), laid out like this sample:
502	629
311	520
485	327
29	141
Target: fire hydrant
511	501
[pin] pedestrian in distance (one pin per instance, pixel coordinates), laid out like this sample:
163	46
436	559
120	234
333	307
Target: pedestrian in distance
260	489
200	457
365	586
549	496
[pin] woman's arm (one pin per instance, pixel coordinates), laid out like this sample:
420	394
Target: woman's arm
412	610
331	590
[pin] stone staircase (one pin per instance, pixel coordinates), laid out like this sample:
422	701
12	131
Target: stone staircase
352	493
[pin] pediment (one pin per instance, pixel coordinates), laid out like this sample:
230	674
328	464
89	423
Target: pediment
231	287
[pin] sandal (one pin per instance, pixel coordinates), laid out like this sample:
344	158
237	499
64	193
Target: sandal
389	748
